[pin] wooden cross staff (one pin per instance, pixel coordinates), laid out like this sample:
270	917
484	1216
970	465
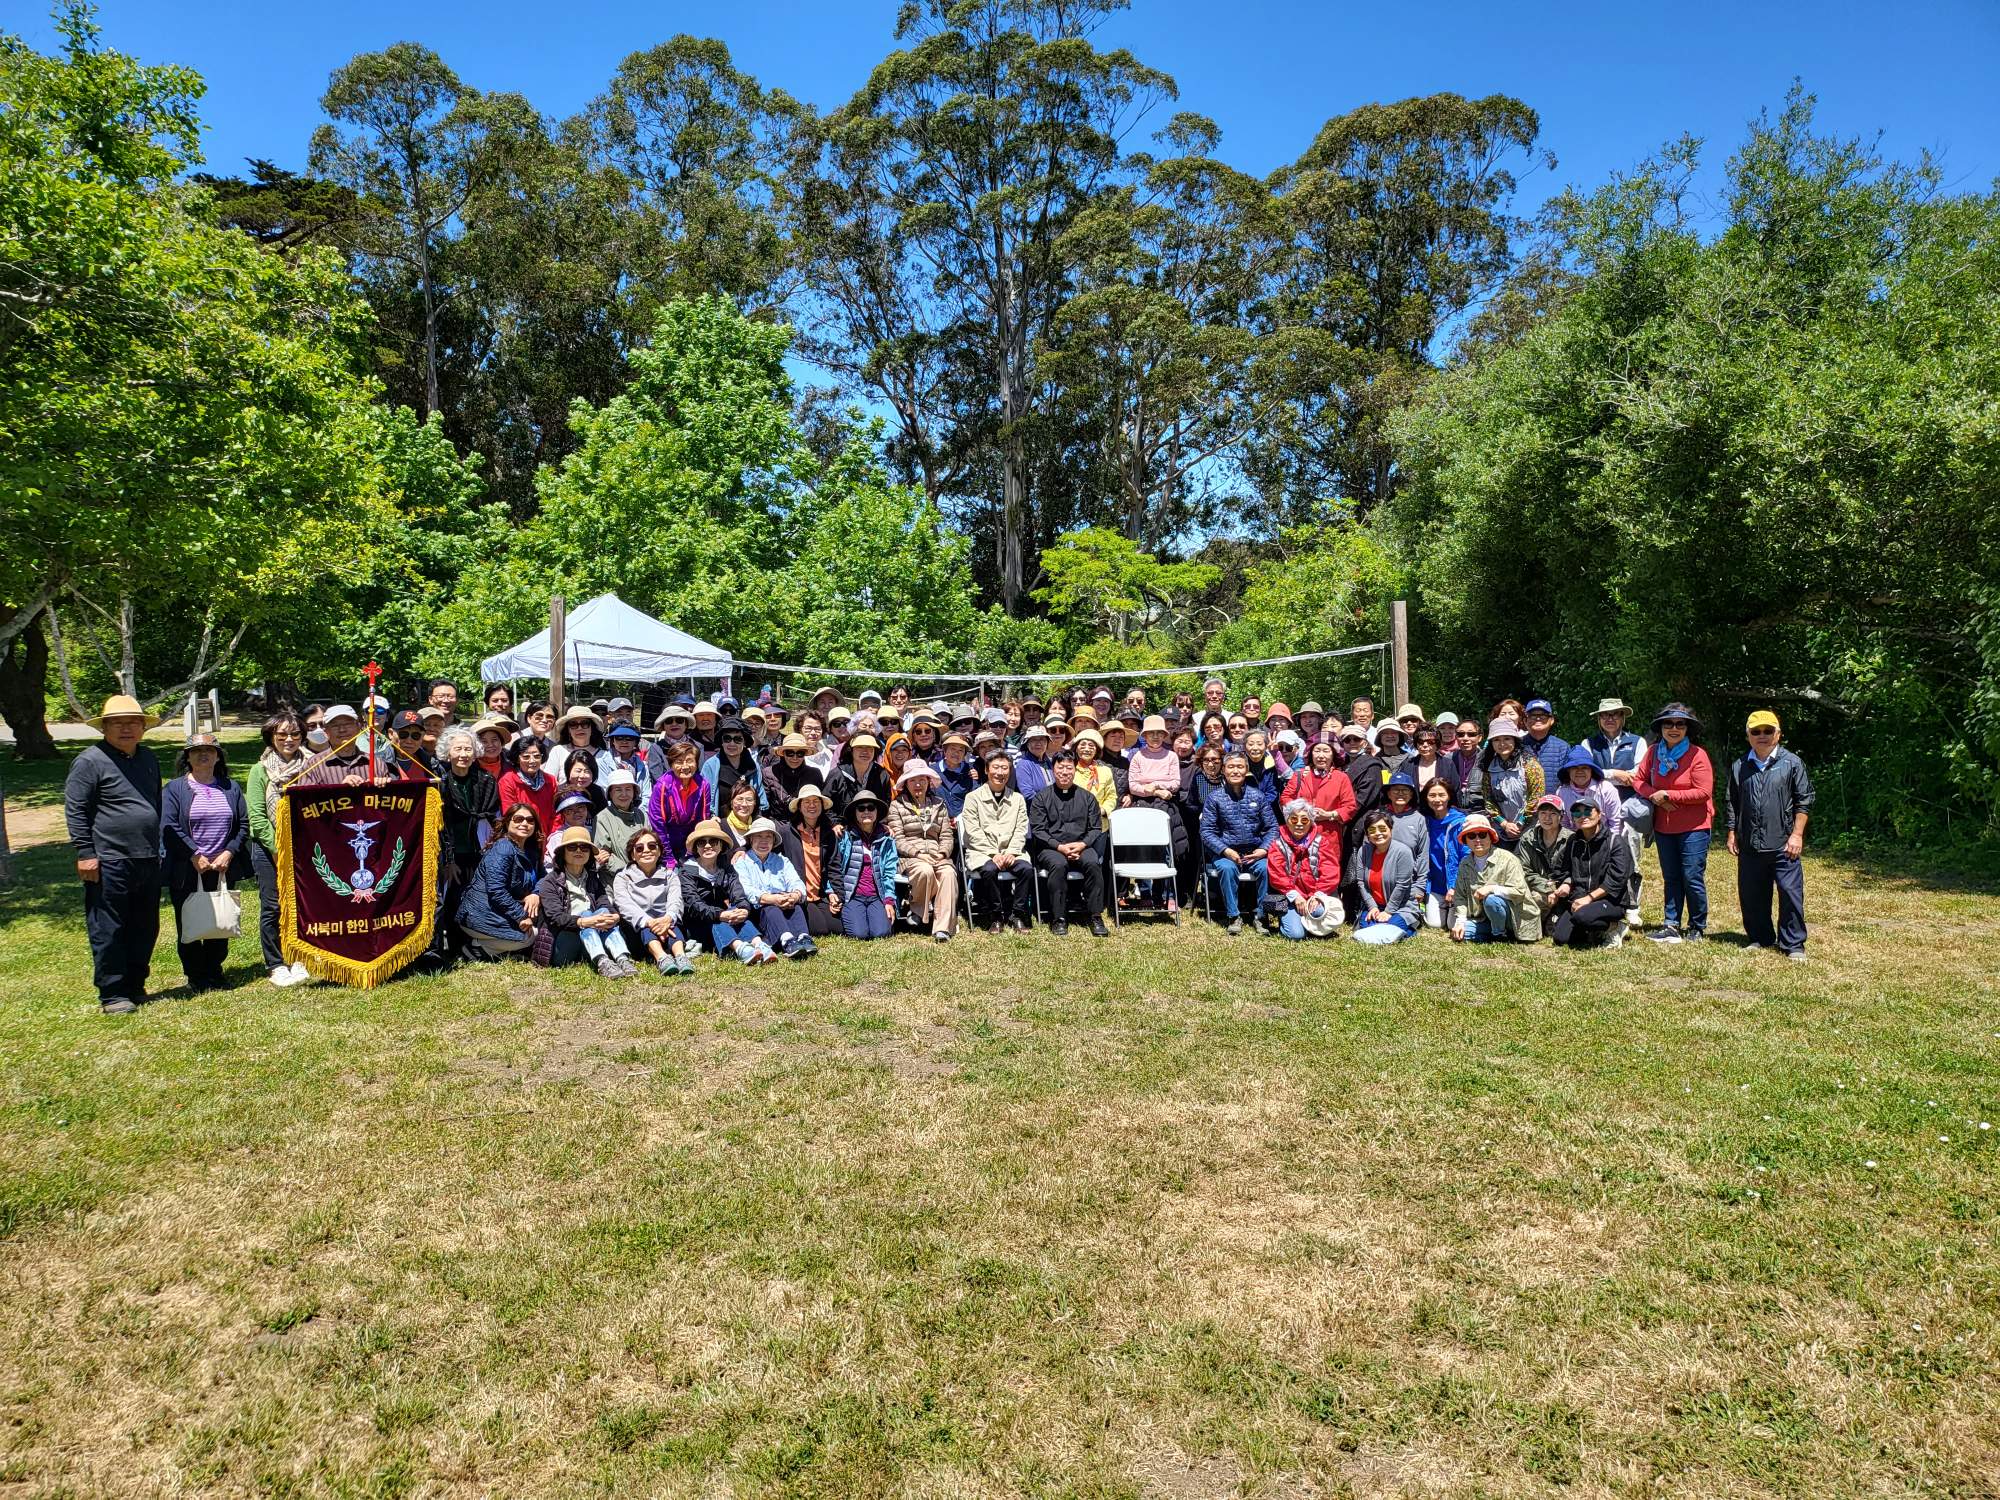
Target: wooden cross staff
373	673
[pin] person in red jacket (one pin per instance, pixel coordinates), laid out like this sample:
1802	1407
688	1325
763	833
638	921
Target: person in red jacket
1324	785
1304	864
1675	775
528	783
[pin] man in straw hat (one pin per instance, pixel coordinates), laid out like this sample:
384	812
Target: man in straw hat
111	803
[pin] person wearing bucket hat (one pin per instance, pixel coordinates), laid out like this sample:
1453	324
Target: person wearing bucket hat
777	894
863	874
111	809
1677	778
786	771
1770	800
925	839
1581	779
1544	851
957	771
860	772
1617	751
1032	767
1492	900
574	810
1506	782
713	898
806	837
577	919
622	816
205	831
579	732
628	753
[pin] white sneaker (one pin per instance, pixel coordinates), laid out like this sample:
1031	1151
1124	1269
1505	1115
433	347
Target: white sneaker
301	974
1632	918
287	975
1797	955
1617	939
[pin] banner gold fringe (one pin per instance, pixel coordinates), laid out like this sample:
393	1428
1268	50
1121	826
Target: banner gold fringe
331	966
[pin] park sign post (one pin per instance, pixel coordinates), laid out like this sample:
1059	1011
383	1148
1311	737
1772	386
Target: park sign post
357	878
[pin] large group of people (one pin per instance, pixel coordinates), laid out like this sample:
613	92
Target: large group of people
752	833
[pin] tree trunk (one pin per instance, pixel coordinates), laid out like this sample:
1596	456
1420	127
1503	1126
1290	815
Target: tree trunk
24	676
1009	326
421	215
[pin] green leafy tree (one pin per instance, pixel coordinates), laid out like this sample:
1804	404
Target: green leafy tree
1102	588
970	151
1752	470
1395	218
174	403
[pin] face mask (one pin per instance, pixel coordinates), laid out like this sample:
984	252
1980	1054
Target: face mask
316	738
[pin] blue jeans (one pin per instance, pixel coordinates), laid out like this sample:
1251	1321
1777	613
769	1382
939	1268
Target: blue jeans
1376	934
725	933
1226	872
1495	922
1684	873
864	919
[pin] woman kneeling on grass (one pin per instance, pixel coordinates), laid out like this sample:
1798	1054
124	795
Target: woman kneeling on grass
714	900
648	896
1303	860
1385	872
775	890
1491	900
576	918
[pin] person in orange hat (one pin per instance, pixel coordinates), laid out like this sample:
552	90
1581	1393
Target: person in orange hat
111	805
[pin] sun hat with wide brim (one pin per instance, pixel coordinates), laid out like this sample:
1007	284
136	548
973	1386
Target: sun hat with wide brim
761	825
1677	711
580	714
708	828
1612	706
1503	729
863	741
808	791
864	799
913	771
122	706
575	834
1476	824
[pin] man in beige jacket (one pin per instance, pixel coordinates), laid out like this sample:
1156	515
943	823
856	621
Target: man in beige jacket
993	830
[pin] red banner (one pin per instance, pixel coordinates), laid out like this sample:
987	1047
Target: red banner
357	878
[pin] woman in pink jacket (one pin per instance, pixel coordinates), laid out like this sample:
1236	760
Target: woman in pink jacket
1153	779
1675	775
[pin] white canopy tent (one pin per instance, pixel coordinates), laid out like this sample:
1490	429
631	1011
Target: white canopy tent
607	640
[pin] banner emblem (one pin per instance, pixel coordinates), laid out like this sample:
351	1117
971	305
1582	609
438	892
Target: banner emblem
362	927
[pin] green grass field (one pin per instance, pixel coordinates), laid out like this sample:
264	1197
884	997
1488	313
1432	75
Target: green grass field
1172	1215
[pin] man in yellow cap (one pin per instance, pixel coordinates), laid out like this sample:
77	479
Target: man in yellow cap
111	804
1770	799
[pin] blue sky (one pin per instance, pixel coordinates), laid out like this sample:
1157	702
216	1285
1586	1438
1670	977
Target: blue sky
1611	79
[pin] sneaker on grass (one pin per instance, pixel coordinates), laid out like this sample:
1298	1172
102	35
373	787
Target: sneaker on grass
1665	935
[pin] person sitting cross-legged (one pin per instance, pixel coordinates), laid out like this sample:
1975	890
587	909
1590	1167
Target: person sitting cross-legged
647	893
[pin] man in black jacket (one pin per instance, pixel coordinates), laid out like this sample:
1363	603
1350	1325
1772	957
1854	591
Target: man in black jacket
1596	886
1770	798
111	804
1063	823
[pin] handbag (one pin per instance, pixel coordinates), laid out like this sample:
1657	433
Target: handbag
207	914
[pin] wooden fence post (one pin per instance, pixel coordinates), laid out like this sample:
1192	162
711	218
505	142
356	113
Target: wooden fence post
1399	654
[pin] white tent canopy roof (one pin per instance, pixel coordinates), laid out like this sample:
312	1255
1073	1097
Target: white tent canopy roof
607	640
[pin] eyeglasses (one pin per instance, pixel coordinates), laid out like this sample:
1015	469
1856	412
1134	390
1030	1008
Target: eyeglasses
732	739
793	754
409	734
1761	733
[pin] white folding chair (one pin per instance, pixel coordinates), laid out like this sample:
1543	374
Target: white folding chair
1142	848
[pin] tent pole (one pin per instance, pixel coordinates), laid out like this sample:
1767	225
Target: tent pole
558	622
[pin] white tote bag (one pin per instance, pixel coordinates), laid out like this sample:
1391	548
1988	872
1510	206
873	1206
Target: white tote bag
210	914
